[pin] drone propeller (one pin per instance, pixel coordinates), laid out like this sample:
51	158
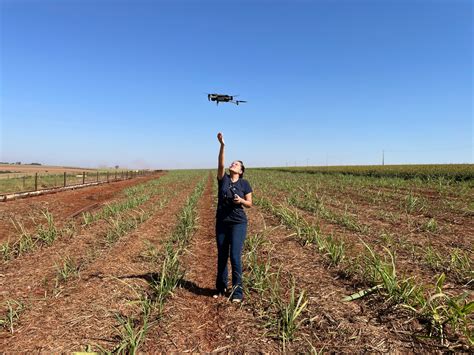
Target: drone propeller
239	101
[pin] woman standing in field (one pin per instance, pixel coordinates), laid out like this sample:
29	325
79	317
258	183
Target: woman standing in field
234	193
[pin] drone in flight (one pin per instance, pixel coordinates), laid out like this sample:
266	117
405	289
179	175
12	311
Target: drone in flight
223	98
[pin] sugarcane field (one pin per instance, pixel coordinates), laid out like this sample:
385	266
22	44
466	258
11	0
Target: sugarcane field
236	177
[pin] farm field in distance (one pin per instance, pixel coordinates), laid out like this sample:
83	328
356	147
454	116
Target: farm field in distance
337	259
21	178
38	168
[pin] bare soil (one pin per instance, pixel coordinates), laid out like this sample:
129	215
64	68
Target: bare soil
194	321
330	323
408	240
84	311
61	205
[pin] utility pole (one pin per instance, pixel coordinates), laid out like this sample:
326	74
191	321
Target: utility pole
383	157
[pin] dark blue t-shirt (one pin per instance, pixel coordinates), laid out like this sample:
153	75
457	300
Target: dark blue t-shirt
227	210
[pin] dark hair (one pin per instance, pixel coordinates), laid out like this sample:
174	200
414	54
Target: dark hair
243	168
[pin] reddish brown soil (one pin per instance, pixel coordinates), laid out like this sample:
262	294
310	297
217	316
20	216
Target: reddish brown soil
61	205
408	242
83	312
330	323
196	322
34	273
453	225
407	265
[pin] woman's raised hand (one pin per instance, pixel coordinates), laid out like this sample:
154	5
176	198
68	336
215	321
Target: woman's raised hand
220	137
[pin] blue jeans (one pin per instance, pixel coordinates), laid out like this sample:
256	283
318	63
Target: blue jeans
230	237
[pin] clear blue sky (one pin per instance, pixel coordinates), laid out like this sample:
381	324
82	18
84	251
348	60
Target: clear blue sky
93	83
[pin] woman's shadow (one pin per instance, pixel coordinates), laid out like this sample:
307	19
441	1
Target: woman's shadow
153	278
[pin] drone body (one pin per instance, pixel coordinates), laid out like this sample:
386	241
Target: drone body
223	98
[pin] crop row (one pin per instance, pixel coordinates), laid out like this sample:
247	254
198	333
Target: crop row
264	285
47	233
448	317
280	314
124	216
127	215
133	329
454	261
399	195
424	172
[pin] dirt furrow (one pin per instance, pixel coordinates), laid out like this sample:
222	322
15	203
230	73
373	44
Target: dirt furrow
409	245
193	319
450	232
84	313
61	205
411	226
33	275
330	324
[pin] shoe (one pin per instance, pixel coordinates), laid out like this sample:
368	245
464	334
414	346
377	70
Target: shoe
236	300
219	294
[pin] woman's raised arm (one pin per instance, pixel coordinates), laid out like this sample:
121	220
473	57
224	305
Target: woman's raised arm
220	162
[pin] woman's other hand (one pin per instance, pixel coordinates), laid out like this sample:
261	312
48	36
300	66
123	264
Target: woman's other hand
220	138
238	200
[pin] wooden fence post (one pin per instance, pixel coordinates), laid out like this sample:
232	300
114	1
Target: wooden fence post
83	177
107	176
97	177
64	179
36	181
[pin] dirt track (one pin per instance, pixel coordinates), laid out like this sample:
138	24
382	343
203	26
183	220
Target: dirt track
81	312
61	205
195	321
